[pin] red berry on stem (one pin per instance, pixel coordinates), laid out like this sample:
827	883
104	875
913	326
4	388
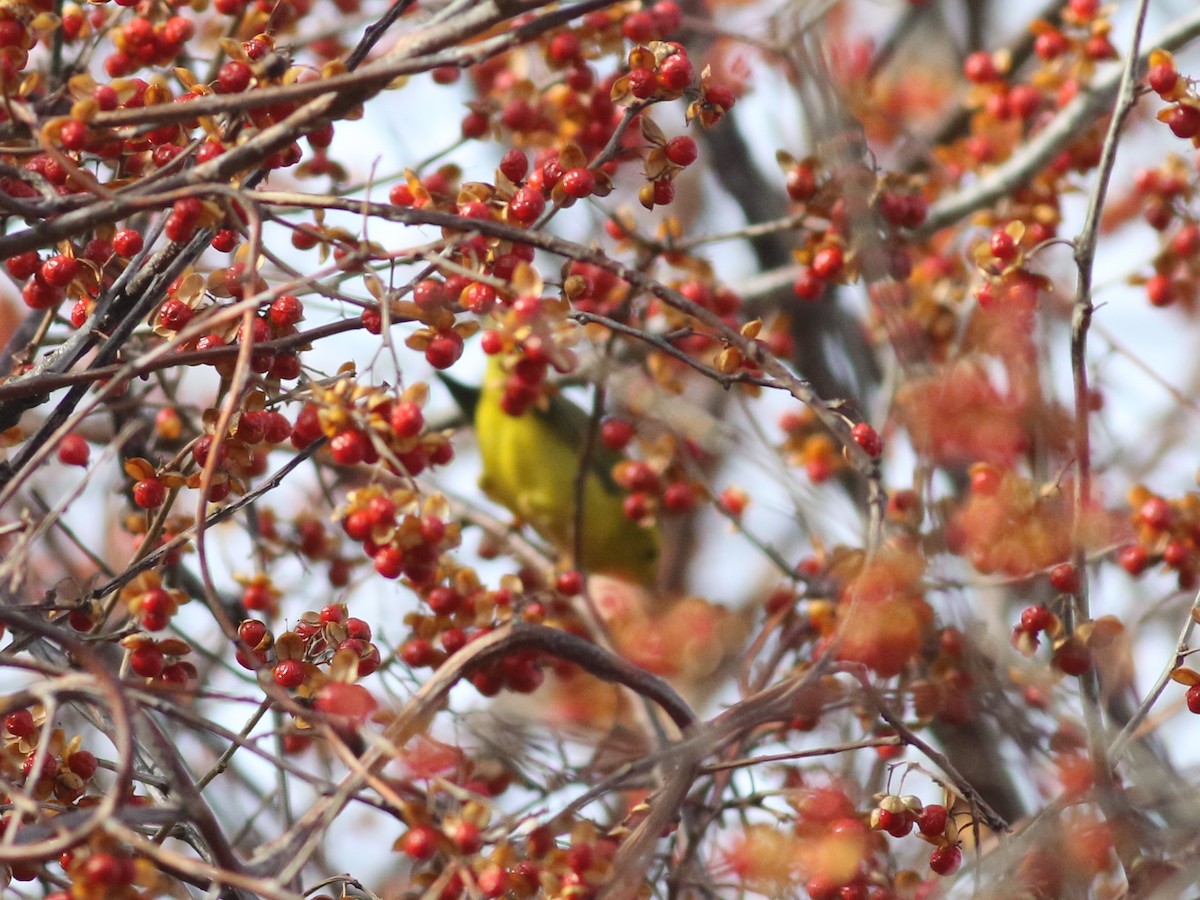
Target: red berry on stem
420	842
127	242
150	493
73	451
867	438
444	349
681	150
1064	578
676	72
946	860
616	434
579	183
526	205
1163	78
59	271
289	673
1184	121
1134	559
19	723
1193	699
932	819
147	661
828	261
980	68
1035	619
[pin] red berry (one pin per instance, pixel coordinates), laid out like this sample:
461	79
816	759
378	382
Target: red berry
569	583
642	83
147	661
389	561
59	271
640	27
1003	245
74	135
289	673
150	493
1193	699
1035	619
351	702
681	150
444	349
1050	45
667	16
1160	290
932	819
417	653
349	447
109	870
808	285
564	49
1156	513
474	125
1073	657
514	165
179	228
616	433
1184	121
679	497
1163	78
980	68
526	205
406	419
420	842
234	77
286	310
867	438
1134	559
828	261
801	183
174	315
73	451
945	860
127	242
23	265
401	194
19	723
478	298
1064	578
83	764
465	836
676	72
579	183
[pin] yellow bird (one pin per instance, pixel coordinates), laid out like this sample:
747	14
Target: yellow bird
530	465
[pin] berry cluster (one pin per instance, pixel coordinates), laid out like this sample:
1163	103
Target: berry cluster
401	533
296	657
898	816
464	610
1183	114
1165	195
1166	531
367	425
161	660
149	603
